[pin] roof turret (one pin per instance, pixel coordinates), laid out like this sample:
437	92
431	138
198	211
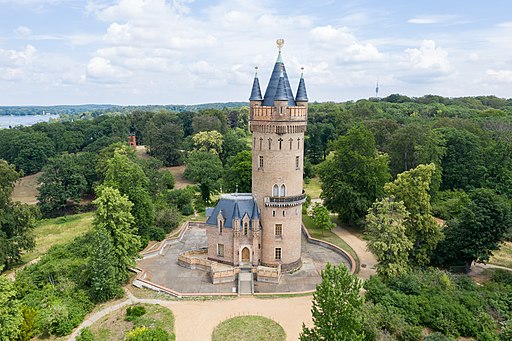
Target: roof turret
302	95
256	91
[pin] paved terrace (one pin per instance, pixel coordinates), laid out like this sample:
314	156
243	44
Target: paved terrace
165	271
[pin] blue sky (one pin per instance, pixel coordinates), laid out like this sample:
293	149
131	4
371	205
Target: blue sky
186	52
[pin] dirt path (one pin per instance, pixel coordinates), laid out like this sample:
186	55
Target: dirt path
25	190
195	320
366	258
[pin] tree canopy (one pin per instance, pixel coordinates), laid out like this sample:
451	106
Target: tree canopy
337	307
355	176
412	188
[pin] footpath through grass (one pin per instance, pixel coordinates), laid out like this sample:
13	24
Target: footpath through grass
503	257
313	188
328	236
116	325
49	232
245	328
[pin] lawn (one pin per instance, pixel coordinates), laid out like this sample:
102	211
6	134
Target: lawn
313	188
328	236
244	328
503	256
49	232
114	326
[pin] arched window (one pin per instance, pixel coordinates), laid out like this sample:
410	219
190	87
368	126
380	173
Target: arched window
282	191
298	143
261	143
275	191
269	143
291	141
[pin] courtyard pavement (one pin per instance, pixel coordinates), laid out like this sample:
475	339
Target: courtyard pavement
164	269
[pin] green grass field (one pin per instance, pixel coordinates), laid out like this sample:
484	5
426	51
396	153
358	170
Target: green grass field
503	256
313	188
245	328
328	236
49	232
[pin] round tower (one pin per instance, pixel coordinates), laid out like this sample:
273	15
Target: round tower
278	122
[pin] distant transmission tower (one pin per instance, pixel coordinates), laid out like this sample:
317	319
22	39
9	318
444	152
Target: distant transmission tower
377	90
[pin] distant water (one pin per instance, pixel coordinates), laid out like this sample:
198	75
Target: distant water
28	120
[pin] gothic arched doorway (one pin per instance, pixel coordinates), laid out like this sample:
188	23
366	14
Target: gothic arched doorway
246	255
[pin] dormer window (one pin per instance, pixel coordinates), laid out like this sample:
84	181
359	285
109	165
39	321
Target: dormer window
221	226
246	228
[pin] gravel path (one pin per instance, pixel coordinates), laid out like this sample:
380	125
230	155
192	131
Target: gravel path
196	320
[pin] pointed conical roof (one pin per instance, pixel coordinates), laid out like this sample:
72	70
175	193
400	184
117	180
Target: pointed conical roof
281	94
256	91
302	95
236	211
255	213
272	87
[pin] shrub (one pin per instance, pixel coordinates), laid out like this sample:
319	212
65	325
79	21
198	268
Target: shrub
438	337
85	335
147	334
168	218
133	312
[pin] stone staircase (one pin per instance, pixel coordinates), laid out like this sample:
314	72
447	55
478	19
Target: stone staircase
245	283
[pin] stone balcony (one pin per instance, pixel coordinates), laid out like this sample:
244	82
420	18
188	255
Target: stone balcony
290	201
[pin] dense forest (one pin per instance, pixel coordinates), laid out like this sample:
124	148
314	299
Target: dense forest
99	109
415	157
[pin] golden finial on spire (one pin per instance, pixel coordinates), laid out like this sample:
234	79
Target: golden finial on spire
280	43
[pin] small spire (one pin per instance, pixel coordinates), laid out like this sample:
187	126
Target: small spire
302	95
256	90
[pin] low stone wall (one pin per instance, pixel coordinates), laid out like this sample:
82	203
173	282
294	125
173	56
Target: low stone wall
223	276
353	268
268	274
159	250
191	260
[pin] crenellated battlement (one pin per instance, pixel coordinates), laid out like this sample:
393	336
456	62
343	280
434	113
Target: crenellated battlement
272	113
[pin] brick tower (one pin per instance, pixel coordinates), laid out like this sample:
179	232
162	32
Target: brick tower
278	122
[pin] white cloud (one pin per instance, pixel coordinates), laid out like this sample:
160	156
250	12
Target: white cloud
332	36
13	57
500	75
431	19
23	31
429	56
102	69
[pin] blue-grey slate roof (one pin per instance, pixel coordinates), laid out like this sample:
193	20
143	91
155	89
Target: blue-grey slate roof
256	91
302	95
281	90
234	206
270	92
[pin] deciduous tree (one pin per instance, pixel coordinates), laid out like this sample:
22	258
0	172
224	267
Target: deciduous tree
238	173
412	188
322	218
387	239
478	231
337	307
355	177
113	215
206	169
10	310
16	220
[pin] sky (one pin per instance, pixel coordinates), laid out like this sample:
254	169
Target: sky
135	52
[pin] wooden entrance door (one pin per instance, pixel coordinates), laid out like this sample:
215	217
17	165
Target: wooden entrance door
246	256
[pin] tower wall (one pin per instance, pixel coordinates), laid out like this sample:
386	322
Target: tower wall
278	143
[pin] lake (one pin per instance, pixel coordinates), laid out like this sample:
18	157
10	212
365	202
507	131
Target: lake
11	120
